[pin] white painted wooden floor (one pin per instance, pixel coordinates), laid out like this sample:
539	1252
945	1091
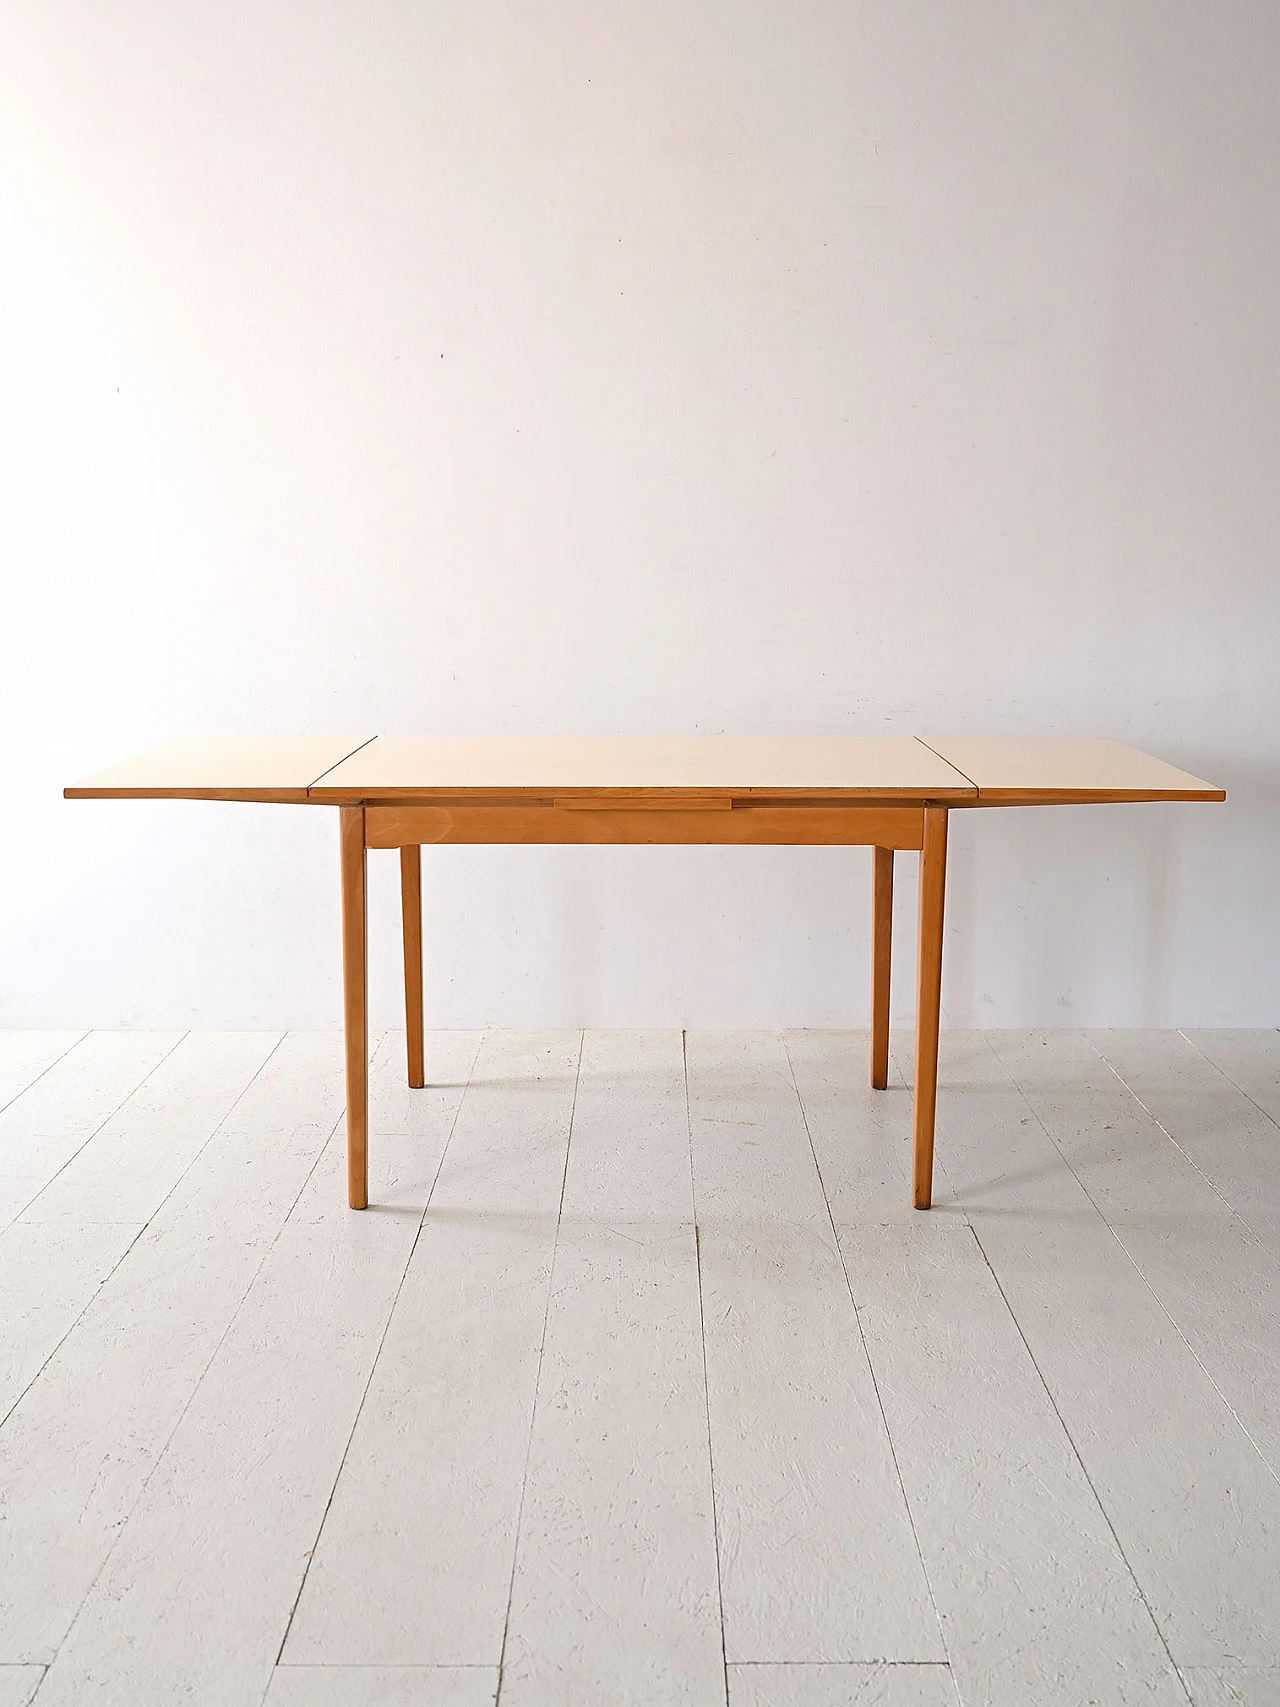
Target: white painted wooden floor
640	1384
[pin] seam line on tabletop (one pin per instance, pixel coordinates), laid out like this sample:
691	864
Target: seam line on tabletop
377	1356
537	1380
160	1456
706	1385
871	1368
950	763
342	761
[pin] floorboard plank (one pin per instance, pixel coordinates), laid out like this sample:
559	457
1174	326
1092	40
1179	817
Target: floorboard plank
48	1278
76	1451
1217	1281
1037	1603
135	1158
194	1601
107	1191
817	1556
413	1566
18	1684
1249	1058
383	1686
1221	1129
841	1686
1075	1353
615	1594
1235	1686
44	1126
25	1055
1194	1507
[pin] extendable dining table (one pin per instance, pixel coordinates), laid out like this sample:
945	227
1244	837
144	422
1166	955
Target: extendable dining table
891	793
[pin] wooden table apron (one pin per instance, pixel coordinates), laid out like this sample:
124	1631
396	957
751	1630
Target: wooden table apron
889	793
721	820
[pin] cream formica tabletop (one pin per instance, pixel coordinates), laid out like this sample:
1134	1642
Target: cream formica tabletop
887	792
1029	770
222	767
334	770
337	769
885	768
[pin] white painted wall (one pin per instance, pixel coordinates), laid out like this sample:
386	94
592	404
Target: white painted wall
448	365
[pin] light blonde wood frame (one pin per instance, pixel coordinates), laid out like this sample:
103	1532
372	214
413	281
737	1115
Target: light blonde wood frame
355	1000
410	824
933	885
881	963
887	792
411	916
397	824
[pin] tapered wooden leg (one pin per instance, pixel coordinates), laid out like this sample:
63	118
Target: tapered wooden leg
881	958
411	913
355	1002
933	885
